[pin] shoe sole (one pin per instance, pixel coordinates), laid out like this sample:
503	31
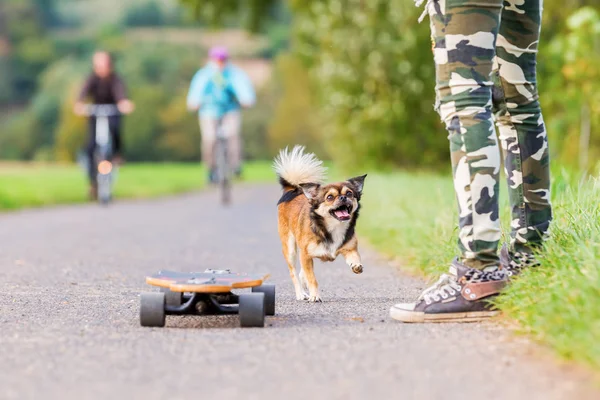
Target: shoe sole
421	317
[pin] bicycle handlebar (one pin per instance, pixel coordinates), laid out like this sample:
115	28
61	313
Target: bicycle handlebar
101	110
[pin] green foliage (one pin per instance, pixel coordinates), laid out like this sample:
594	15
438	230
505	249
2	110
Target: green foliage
16	141
251	13
71	131
24	47
144	14
48	14
142	127
572	93
180	138
372	88
48	109
295	120
255	125
34	129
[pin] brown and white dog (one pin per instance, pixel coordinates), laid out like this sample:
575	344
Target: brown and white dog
316	220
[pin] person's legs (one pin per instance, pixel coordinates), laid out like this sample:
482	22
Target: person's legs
521	126
114	125
208	129
231	123
464	40
464	34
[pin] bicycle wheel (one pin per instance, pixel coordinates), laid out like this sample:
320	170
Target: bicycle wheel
104	188
223	173
104	172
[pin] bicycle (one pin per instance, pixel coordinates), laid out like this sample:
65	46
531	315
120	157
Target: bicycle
101	166
222	172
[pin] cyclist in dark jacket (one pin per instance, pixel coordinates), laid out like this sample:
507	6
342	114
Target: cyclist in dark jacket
104	86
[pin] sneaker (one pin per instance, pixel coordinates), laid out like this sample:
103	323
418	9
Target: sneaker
514	262
461	296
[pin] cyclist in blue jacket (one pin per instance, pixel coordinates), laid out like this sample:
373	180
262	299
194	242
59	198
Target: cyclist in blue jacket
218	91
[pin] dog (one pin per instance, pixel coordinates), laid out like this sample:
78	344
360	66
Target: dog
315	220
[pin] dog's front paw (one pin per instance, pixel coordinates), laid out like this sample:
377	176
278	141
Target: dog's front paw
357	269
315	299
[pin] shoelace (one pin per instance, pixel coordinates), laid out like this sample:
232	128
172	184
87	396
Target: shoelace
445	286
519	261
476	275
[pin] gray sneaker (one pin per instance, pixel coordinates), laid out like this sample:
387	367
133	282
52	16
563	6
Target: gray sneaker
461	296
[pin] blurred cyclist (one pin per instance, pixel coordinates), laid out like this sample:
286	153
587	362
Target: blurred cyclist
103	86
218	91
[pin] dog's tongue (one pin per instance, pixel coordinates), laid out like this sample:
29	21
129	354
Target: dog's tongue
342	213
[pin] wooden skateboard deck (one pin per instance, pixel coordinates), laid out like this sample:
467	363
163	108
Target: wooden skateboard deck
205	282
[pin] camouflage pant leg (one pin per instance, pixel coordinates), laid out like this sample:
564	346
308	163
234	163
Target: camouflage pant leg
520	123
464	39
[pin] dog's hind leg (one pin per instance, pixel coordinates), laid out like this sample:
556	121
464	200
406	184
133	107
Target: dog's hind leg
308	273
290	252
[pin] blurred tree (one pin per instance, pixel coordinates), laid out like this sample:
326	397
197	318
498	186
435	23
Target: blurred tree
25	49
48	14
255	124
71	132
251	13
578	82
16	141
145	14
295	120
180	138
142	129
375	90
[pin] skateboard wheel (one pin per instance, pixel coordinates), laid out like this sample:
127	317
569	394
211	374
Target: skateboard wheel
152	309
252	310
269	291
173	299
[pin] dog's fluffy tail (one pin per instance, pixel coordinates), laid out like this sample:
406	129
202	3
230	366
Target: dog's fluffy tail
295	168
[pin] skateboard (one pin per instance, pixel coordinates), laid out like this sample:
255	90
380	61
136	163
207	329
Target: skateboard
207	293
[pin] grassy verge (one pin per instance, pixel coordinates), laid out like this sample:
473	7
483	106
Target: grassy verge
412	216
23	185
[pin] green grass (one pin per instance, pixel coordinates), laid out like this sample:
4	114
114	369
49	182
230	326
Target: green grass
23	185
413	217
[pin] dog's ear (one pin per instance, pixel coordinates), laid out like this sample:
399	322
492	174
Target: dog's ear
311	190
358	182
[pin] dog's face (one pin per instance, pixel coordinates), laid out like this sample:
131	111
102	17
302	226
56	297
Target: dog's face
337	201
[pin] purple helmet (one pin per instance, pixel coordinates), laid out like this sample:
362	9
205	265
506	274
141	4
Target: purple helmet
219	53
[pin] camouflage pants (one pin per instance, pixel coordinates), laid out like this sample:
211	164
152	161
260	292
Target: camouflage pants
485	55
